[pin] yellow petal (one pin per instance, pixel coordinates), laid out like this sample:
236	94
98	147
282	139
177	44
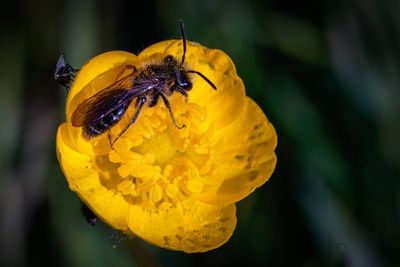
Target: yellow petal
191	227
84	179
224	104
244	157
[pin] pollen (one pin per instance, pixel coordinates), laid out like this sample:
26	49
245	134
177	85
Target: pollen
154	158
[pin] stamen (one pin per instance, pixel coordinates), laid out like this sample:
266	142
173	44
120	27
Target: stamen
171	190
156	193
161	164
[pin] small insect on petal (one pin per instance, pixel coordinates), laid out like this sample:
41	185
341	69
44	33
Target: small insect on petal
90	217
64	74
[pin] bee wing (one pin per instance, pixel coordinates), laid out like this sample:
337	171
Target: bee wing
101	100
108	99
60	64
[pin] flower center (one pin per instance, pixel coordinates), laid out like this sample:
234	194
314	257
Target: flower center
160	146
157	164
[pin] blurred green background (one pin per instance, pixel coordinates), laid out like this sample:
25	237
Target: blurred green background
326	73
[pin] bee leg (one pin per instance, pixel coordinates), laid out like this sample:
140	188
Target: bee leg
183	92
75	70
66	86
109	138
71	69
153	101
139	107
166	102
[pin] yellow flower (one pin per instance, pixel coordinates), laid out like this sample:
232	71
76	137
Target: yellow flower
175	188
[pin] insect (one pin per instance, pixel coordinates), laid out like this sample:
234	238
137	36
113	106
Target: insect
90	217
103	110
64	73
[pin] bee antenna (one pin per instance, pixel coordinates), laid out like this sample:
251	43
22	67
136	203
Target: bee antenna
204	78
184	40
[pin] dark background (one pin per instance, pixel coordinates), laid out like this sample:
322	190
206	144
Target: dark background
325	73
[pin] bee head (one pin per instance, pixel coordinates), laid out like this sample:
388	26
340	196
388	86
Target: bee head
182	79
181	74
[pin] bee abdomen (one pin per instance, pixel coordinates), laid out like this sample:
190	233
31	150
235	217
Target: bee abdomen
106	122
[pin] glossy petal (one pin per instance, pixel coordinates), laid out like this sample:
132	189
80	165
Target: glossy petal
243	157
191	226
84	179
175	188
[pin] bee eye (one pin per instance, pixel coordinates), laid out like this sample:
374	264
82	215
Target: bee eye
187	85
183	83
182	80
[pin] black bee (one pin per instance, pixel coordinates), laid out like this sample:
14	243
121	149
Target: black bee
64	73
103	110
